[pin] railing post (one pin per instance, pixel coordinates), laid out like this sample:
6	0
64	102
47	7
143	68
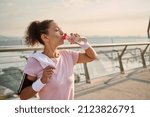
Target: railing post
142	56
86	73
120	59
148	29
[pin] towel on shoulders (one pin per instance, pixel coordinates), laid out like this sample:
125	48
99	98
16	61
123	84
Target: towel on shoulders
43	59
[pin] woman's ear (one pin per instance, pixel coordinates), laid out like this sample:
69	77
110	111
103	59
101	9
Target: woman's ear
44	37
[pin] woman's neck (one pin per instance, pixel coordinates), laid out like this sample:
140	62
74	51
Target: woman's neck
51	52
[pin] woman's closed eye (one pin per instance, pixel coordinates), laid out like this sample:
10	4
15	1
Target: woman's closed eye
57	29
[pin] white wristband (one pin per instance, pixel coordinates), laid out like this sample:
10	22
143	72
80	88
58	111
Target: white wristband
38	85
85	46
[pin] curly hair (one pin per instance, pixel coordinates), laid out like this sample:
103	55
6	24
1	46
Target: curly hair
34	31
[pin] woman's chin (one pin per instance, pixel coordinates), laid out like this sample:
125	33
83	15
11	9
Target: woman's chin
61	43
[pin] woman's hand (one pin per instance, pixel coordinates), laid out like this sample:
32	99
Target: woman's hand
47	74
76	39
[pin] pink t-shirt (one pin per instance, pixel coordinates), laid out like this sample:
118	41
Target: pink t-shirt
61	85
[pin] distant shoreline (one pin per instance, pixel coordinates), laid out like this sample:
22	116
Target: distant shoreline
19	41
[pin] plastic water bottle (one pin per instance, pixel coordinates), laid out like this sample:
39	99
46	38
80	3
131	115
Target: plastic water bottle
77	40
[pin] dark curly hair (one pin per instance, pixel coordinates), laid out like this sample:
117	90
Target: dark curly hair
34	31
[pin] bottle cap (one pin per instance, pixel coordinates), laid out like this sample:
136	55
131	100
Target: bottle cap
65	36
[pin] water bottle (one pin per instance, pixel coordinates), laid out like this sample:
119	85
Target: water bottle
74	40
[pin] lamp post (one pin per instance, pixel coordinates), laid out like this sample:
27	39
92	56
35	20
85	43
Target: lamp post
148	32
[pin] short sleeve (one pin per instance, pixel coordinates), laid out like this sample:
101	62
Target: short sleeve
74	56
32	67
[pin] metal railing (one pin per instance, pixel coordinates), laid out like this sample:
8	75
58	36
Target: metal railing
120	53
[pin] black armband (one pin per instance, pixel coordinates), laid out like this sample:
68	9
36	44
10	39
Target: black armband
25	82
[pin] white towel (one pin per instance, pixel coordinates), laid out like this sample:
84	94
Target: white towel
43	59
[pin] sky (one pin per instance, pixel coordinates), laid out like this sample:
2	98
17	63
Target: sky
86	17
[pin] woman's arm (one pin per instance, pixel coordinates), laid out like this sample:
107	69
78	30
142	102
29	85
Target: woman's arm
88	56
28	91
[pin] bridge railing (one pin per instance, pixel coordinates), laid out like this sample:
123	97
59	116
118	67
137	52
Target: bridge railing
123	47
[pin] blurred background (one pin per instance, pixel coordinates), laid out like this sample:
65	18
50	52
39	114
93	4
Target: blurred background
103	22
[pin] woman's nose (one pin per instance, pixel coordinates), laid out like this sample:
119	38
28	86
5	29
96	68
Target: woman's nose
61	32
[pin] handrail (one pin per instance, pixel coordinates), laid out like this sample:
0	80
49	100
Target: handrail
10	49
120	55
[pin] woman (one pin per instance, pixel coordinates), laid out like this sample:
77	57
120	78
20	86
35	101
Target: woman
52	82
